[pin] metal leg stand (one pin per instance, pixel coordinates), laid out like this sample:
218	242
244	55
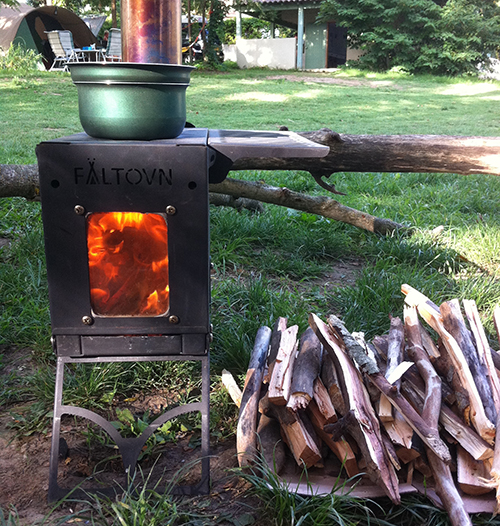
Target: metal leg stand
129	448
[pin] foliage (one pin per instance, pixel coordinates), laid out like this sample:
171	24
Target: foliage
215	33
9	3
421	35
20	60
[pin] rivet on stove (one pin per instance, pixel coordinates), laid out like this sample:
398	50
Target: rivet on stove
171	210
87	320
79	210
173	319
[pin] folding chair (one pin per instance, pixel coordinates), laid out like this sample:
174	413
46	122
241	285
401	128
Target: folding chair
63	48
114	47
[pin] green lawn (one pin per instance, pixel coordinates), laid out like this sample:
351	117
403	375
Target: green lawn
280	262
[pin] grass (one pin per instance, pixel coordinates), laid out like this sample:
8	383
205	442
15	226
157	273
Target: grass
276	263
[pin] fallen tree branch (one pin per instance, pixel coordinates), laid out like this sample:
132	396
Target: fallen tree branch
391	153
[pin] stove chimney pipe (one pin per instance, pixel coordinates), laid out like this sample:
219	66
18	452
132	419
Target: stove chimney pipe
151	31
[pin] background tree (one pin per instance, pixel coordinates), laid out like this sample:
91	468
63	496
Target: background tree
446	37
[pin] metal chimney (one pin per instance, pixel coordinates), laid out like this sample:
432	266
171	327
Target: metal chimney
151	31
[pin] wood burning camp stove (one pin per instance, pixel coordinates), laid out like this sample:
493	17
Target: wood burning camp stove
126	226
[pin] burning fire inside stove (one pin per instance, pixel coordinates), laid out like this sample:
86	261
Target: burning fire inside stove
128	264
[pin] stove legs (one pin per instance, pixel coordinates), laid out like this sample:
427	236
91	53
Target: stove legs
130	448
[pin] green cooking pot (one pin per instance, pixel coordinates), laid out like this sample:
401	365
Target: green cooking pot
131	101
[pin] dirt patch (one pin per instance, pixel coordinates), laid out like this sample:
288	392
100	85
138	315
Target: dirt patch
24	474
340	82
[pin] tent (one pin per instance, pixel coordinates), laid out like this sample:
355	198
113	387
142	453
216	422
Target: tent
26	25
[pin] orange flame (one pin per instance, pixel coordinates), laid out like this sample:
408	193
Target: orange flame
128	263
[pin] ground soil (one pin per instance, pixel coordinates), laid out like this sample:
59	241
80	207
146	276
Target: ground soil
338	81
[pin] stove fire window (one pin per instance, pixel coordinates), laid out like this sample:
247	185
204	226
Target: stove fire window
128	264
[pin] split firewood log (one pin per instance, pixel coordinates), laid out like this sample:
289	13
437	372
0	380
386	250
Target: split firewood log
279	326
306	368
394	358
444	484
365	428
483	347
298	430
330	380
281	377
270	443
323	402
430	313
454	323
246	436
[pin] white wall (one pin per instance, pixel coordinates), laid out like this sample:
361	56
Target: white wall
278	53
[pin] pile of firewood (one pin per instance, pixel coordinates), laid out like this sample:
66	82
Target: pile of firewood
410	401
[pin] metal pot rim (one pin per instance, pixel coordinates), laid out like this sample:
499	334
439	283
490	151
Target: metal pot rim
126	83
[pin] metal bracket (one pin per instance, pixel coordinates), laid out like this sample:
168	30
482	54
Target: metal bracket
129	448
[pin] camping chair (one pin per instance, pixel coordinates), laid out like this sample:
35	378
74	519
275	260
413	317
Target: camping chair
63	48
114	47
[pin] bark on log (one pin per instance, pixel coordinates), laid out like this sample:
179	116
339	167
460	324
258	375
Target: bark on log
394	358
246	438
454	323
271	446
281	377
320	205
391	153
331	382
306	369
26	185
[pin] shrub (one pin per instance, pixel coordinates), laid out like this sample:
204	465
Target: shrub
20	60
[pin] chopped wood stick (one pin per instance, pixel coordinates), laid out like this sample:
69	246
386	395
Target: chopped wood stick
271	446
471	474
432	400
447	491
297	432
399	431
278	328
443	480
391	452
340	447
307	367
394	358
366	429
246	437
428	311
232	387
455	324
407	455
457	428
445	368
356	351
410	470
483	350
281	378
323	402
429	345
381	343
331	382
